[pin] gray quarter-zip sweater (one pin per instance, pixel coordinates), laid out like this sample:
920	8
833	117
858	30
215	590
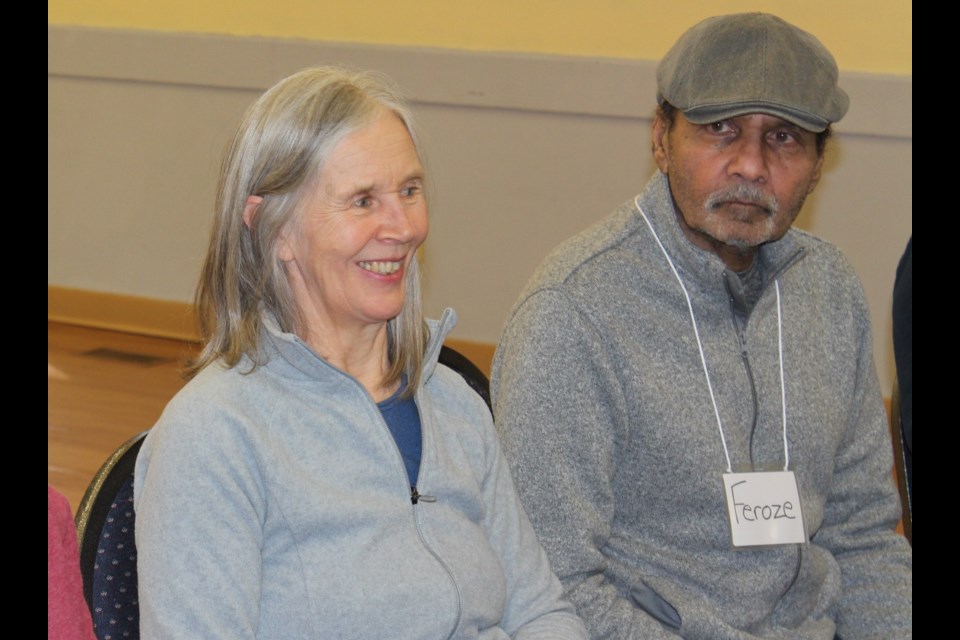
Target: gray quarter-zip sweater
604	411
276	505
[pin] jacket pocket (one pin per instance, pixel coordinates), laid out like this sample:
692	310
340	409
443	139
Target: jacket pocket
651	602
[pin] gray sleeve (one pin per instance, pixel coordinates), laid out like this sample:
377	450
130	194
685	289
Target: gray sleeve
862	510
194	482
535	607
559	409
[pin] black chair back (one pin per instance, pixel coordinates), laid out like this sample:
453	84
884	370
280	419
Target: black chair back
108	550
470	372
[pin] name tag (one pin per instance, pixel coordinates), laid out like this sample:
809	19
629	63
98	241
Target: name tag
764	508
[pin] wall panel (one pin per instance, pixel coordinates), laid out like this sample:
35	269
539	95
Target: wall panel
524	150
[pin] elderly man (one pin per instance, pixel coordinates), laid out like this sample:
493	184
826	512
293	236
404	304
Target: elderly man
686	390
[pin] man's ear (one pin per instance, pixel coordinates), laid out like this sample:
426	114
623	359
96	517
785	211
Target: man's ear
660	154
250	210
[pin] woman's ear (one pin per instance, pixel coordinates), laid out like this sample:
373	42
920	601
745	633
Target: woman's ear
250	210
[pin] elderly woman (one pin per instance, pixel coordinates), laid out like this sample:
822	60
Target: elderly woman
321	475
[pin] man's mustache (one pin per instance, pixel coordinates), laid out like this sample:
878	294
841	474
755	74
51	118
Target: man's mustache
743	194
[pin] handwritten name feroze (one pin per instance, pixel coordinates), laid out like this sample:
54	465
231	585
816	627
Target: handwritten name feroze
764	508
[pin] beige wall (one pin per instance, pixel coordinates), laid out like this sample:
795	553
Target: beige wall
865	35
524	148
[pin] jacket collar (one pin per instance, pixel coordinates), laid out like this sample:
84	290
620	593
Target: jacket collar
285	351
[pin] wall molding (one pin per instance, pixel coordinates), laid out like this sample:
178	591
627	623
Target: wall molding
166	319
119	312
881	104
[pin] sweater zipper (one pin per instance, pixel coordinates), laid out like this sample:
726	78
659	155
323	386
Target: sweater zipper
745	358
416	496
742	341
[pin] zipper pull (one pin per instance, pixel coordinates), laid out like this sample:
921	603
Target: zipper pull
416	496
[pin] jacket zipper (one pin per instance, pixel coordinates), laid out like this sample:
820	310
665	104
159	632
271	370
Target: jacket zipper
416	496
742	341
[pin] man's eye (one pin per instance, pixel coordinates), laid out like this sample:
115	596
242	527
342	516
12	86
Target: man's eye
363	202
784	136
718	127
410	192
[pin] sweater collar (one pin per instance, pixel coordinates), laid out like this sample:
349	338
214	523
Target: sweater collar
284	350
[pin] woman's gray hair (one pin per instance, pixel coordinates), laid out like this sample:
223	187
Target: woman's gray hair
276	154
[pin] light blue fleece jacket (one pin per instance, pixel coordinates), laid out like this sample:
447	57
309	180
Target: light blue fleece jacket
276	505
604	411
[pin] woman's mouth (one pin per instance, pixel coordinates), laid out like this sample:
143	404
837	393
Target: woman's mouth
382	267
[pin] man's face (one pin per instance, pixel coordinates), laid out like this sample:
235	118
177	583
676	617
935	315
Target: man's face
737	183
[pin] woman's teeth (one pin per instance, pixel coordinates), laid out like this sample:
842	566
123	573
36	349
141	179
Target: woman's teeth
383	268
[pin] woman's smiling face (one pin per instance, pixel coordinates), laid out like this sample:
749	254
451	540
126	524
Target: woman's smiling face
349	249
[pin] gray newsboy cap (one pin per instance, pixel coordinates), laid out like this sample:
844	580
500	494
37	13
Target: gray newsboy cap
731	65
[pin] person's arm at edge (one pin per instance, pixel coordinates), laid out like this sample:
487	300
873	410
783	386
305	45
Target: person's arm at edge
862	512
558	406
535	607
67	613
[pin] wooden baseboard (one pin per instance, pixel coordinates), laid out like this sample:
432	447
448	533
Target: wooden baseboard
117	312
166	319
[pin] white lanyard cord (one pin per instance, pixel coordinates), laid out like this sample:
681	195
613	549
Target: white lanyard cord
783	386
703	359
696	332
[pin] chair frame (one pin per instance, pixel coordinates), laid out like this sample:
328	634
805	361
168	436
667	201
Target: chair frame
900	463
470	372
95	506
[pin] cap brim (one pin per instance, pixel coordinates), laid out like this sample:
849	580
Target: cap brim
714	113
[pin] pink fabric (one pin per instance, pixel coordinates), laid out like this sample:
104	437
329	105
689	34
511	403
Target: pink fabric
68	617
